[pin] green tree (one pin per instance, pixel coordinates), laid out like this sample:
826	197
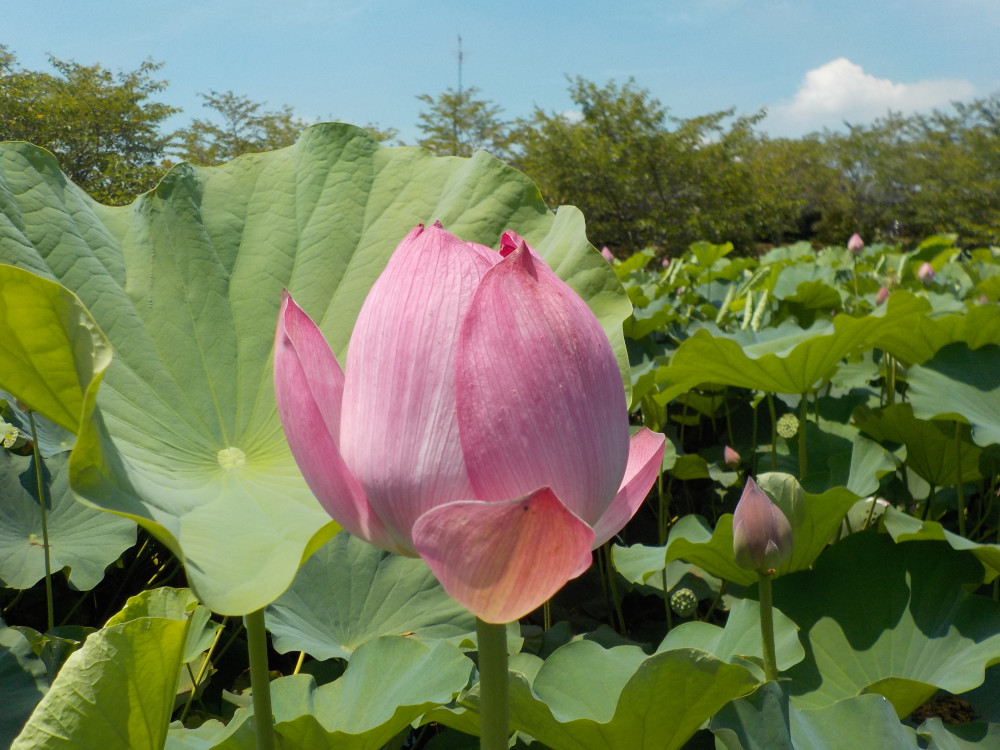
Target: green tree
458	123
103	128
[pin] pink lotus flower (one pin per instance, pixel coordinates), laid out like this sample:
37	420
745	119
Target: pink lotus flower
882	295
926	273
607	254
730	457
762	536
480	421
855	244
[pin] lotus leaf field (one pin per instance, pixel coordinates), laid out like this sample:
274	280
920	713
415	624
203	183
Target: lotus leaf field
151	510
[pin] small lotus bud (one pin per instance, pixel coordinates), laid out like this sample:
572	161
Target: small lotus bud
788	425
882	296
855	244
607	254
683	602
730	457
665	262
983	299
762	536
926	274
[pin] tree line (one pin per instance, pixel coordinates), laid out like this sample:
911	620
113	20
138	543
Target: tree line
643	178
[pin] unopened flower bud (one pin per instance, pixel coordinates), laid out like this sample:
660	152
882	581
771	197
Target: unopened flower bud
730	457
855	244
882	296
762	536
926	273
607	254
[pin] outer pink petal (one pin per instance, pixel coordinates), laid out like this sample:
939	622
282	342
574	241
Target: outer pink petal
645	459
399	432
308	387
540	396
502	560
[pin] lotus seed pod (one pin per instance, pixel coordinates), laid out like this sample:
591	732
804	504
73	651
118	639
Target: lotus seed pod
683	602
788	425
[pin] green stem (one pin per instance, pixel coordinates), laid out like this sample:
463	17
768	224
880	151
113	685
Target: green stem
753	442
774	432
260	679
767	627
610	568
803	417
958	471
494	703
37	458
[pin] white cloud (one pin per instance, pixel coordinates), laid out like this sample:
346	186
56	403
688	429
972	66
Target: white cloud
842	91
572	116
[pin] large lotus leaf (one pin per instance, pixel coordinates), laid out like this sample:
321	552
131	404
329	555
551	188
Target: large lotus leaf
82	541
784	359
52	438
186	282
924	335
893	619
905	528
931	449
814	519
116	691
960	383
349	593
741	638
653	702
389	683
977	736
766	721
22	683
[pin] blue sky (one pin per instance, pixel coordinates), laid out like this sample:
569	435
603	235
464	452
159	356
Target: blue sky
813	64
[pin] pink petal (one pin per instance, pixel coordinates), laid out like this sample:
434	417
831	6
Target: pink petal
502	560
308	387
399	432
645	459
540	397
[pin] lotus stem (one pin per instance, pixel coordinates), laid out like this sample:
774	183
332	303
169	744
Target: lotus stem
615	599
958	472
774	432
803	456
494	703
37	458
767	627
260	679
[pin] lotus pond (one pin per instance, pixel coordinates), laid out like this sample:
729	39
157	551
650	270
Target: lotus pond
155	528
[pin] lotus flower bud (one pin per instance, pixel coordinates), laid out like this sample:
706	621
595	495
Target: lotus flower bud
762	536
730	457
665	262
926	274
855	244
683	602
882	296
607	254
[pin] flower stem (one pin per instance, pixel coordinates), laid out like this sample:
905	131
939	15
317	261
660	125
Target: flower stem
494	708
804	415
260	681
767	627
37	459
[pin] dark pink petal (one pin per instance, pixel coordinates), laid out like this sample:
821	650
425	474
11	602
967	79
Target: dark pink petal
308	387
502	560
399	432
540	396
645	459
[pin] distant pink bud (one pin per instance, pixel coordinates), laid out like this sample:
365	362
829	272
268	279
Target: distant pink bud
882	296
607	254
855	244
665	262
762	536
926	274
731	457
983	299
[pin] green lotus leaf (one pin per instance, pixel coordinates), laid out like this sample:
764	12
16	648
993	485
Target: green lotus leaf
22	682
814	519
932	450
116	691
349	593
186	282
960	383
924	335
783	359
740	639
893	619
975	736
766	721
903	527
389	683
654	702
82	541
